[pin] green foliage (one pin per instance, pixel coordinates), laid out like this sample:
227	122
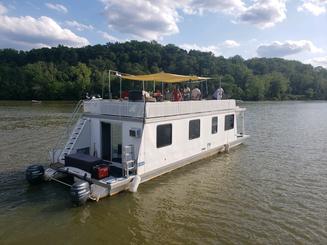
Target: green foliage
255	88
68	73
278	85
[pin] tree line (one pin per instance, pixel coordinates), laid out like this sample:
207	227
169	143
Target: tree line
68	73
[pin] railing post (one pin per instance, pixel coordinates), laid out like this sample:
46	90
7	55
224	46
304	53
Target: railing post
243	126
120	87
109	85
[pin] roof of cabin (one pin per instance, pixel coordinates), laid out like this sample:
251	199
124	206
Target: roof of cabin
164	77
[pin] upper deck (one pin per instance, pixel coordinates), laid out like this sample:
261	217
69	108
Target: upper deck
156	109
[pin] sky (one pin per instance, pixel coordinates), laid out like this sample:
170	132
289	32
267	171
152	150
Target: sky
290	29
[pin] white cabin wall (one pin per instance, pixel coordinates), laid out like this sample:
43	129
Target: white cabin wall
136	142
95	137
127	140
181	146
231	134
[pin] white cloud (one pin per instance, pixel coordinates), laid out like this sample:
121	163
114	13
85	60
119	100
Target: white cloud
148	20
3	9
264	13
261	13
225	6
152	20
109	37
318	61
211	48
215	49
230	44
26	32
58	7
78	26
279	49
316	7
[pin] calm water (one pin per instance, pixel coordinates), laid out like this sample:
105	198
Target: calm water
272	190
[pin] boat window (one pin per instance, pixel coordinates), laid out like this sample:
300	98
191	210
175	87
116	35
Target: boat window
214	125
164	135
229	122
194	129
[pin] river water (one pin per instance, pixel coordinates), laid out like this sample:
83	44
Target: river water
271	190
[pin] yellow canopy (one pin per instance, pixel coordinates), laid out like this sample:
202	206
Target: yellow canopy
164	77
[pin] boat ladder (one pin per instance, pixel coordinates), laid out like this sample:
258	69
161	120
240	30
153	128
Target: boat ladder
72	139
128	160
63	147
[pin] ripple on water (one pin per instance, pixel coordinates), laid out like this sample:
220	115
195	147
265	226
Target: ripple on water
272	190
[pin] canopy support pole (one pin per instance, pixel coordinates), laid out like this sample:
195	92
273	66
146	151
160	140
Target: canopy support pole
243	126
162	90
143	85
154	86
103	82
109	86
207	87
120	87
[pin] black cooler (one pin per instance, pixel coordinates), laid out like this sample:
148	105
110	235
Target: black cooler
82	161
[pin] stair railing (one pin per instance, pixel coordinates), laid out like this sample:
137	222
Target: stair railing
68	129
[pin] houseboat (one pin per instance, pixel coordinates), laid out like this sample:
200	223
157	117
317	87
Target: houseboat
116	144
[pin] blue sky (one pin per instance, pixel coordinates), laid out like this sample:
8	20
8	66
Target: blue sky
250	28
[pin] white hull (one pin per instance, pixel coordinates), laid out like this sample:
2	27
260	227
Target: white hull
127	135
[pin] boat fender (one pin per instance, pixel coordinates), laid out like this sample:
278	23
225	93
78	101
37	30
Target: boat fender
227	147
80	192
135	183
34	174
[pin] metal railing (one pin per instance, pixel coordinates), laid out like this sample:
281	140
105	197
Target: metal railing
115	108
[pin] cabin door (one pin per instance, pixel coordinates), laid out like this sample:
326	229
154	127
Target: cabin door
111	141
106	141
116	142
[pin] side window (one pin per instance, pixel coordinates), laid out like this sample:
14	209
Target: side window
229	122
164	135
214	125
194	129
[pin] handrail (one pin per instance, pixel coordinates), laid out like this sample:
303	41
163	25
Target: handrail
67	128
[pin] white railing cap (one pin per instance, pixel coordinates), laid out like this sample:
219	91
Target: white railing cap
155	109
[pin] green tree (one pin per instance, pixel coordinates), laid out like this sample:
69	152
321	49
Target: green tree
80	80
278	85
68	73
255	88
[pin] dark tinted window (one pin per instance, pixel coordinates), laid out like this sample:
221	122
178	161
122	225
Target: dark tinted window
214	125
229	122
194	129
164	135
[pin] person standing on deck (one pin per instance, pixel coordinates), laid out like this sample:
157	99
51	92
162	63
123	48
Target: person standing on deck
218	94
196	94
177	96
186	93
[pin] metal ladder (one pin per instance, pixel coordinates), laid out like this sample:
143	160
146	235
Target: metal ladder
72	139
61	144
128	160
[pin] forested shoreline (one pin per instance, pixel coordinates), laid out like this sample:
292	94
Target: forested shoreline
63	73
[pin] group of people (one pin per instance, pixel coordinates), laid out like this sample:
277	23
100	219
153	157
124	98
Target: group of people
180	94
177	94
